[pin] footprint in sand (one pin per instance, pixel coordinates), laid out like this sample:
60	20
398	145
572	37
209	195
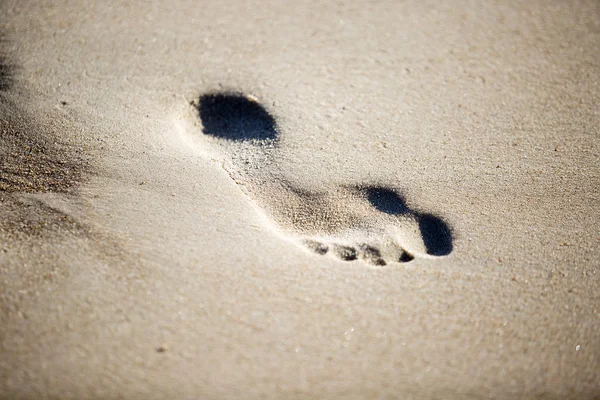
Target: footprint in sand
371	223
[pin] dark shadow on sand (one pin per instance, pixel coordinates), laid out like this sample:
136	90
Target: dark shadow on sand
386	200
234	116
436	234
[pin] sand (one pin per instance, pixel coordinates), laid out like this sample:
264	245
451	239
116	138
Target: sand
388	200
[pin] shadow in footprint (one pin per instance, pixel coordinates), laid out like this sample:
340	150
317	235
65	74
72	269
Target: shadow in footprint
386	200
436	234
235	116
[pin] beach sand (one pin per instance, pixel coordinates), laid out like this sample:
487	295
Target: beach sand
263	199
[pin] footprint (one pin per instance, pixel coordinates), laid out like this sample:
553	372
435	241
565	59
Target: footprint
368	223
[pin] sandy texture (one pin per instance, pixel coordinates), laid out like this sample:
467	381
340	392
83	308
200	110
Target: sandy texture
401	202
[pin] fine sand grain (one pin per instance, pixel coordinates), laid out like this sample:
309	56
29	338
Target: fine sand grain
263	199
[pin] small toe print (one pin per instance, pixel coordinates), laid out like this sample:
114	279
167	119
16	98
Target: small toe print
372	255
405	257
346	253
317	247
